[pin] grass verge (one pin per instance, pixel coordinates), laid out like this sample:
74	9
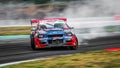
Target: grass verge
93	59
20	30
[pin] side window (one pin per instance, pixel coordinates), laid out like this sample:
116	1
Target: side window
57	25
43	27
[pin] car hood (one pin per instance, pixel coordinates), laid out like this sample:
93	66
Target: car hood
55	31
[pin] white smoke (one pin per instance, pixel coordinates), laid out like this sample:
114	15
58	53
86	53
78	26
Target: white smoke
83	10
89	8
86	11
91	14
93	8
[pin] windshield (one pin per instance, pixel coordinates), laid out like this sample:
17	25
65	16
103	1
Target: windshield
50	25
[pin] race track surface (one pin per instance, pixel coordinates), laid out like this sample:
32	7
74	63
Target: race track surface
19	49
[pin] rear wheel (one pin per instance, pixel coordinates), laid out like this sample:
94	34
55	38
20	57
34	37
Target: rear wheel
32	42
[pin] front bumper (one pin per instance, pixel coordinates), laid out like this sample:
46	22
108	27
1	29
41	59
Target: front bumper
63	45
43	44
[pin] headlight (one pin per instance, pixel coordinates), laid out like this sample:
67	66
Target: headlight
40	35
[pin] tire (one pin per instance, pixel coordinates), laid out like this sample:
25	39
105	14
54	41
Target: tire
74	47
32	42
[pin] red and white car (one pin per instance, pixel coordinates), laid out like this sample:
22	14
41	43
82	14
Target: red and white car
52	32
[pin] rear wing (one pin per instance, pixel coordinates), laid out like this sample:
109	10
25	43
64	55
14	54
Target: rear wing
34	21
47	19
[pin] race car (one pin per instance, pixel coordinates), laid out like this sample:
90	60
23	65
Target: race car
52	32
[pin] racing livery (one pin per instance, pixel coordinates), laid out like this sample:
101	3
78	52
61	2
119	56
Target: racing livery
52	32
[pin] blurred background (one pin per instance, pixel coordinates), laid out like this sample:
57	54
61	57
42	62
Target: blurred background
88	15
27	9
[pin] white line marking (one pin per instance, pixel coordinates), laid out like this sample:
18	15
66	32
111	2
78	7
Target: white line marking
18	62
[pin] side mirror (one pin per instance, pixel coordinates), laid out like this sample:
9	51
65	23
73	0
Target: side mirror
71	27
33	29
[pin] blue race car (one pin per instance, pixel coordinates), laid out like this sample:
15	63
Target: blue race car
52	32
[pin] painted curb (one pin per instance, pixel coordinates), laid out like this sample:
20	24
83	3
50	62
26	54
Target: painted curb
13	37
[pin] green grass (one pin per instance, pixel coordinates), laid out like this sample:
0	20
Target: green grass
18	30
94	59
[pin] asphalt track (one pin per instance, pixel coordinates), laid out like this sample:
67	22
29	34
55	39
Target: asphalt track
19	49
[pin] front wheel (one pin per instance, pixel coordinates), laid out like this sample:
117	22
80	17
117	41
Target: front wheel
74	47
32	43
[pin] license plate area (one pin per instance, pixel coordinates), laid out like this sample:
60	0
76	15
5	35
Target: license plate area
55	38
56	41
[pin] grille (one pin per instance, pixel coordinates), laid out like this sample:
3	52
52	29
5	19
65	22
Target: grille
58	41
57	35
